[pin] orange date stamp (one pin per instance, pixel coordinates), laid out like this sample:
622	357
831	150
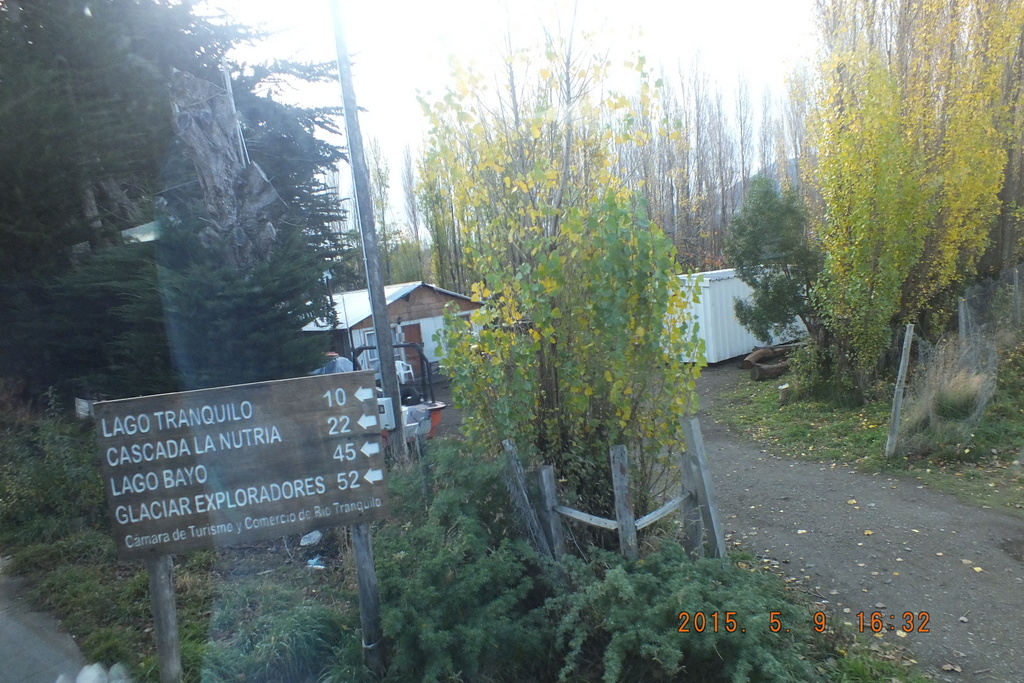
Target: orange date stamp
731	622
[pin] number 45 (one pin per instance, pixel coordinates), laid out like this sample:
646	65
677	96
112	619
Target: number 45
345	451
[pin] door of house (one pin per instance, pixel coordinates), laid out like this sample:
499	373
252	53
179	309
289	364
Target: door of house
412	333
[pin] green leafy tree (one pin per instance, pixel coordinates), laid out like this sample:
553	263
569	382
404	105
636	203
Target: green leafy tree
446	249
769	246
224	329
85	129
407	260
583	341
388	234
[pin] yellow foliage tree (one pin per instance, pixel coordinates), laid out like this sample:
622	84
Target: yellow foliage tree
911	130
583	340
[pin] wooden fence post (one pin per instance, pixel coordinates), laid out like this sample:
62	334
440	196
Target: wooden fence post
698	488
897	398
624	503
963	323
165	617
516	483
1016	296
693	520
550	521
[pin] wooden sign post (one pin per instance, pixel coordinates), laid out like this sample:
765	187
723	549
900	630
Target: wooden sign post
217	467
165	617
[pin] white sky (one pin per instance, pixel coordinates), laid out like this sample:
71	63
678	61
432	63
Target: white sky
399	47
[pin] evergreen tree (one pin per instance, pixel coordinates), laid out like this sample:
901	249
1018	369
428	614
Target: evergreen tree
84	111
84	119
768	246
225	329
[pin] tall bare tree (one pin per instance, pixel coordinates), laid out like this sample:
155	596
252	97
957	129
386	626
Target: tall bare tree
744	133
380	187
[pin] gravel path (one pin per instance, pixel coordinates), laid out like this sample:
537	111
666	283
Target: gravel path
875	543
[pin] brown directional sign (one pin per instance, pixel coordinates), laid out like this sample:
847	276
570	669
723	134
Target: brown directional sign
216	467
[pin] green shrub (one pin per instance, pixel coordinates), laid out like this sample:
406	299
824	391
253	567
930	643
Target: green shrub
587	344
460	599
462	602
291	643
767	242
50	481
455	609
220	661
240	604
814	376
621	621
297	644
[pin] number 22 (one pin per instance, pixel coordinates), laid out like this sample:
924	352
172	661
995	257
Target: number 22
339	425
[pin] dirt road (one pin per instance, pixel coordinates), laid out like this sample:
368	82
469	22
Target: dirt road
878	544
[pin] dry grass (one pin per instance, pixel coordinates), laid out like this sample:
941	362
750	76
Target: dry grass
948	395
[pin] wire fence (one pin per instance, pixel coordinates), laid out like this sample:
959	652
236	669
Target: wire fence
955	378
992	309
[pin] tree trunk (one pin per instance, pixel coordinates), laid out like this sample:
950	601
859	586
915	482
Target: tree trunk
242	204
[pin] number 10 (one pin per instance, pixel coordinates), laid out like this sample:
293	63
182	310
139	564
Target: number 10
335	398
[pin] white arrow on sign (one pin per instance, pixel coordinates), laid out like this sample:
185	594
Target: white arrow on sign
373	476
367	421
369	448
364	394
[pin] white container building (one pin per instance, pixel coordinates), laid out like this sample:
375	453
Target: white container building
724	337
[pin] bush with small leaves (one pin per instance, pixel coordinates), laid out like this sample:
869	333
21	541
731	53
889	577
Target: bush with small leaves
622	621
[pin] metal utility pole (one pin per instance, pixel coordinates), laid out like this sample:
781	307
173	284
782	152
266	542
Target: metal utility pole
374	648
371	251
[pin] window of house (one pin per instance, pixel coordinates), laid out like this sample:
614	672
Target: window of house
371	340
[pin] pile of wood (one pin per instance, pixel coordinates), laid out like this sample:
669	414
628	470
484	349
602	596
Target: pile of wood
767	362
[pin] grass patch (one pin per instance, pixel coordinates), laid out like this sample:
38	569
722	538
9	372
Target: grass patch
998	486
870	663
812	428
981	465
948	396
